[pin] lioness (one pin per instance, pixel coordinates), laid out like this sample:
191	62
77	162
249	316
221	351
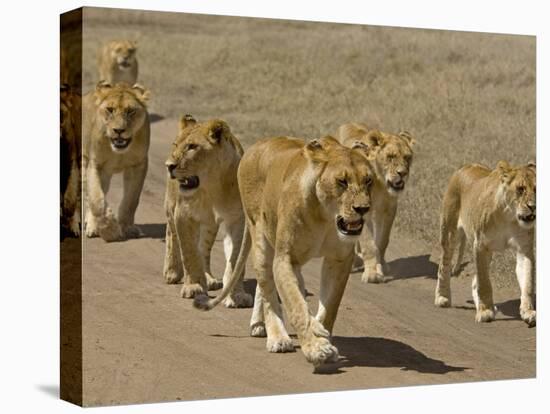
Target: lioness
201	193
69	157
301	200
118	62
391	157
495	210
116	140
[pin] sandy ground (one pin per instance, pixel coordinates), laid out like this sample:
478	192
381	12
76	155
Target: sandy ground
143	343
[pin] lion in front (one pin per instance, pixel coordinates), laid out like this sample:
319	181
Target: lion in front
391	157
201	194
495	210
301	200
117	62
116	140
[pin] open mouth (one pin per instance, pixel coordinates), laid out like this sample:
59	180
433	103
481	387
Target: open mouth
124	64
349	228
396	185
527	218
120	143
189	183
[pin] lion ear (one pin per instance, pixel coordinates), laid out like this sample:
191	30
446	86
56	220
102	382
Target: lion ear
360	145
314	151
187	120
216	132
532	164
374	138
101	89
141	93
406	135
505	171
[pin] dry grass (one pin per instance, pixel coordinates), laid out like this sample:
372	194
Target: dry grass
467	97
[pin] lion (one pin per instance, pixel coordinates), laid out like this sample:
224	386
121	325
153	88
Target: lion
118	62
69	157
116	137
202	193
391	157
301	200
495	210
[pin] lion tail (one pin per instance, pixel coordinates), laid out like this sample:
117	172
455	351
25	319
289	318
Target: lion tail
203	302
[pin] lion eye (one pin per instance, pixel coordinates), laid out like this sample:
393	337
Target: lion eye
342	182
368	181
520	190
190	147
110	109
130	112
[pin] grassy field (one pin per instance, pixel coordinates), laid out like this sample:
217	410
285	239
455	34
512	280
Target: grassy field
466	97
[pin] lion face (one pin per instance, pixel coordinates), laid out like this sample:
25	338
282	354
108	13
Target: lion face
197	153
123	53
519	191
392	156
343	186
122	111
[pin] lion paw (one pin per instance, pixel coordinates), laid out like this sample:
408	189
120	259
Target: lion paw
319	350
109	229
279	345
257	330
212	282
373	277
529	317
172	277
74	225
190	290
442	301
239	300
486	315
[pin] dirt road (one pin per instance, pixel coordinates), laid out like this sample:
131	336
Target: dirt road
143	343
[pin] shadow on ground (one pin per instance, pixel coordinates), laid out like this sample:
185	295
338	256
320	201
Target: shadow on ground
153	231
49	389
412	266
383	353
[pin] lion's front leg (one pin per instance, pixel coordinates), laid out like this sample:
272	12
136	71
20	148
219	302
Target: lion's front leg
133	177
334	277
482	291
314	338
232	245
373	271
525	264
188	233
100	219
173	267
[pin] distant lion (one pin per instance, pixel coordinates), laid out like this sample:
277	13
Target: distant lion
116	140
495	210
391	157
201	194
118	62
301	200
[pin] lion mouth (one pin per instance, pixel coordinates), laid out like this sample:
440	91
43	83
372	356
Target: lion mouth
527	218
124	64
397	185
189	183
120	143
349	228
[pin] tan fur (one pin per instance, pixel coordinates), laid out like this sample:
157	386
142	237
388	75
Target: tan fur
293	195
211	152
70	160
114	114
391	157
487	208
118	62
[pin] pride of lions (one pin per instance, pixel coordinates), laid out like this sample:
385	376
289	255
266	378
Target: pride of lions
285	200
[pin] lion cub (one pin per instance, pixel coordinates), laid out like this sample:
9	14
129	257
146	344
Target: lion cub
391	157
202	193
495	210
115	140
118	62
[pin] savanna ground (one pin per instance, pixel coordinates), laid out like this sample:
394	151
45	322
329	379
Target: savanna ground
466	97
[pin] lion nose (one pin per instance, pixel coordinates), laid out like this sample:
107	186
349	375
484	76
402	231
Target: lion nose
119	130
362	210
171	168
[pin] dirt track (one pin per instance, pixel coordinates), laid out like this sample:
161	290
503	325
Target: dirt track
143	343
